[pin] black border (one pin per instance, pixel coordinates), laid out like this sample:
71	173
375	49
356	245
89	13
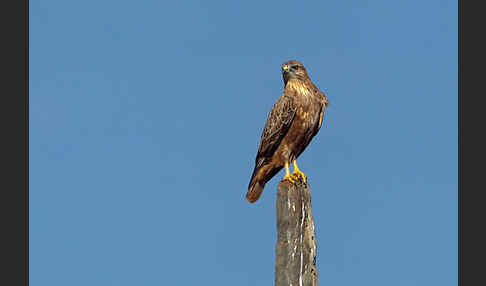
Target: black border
14	197
14	201
472	145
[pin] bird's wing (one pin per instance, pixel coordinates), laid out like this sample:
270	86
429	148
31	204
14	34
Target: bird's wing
321	111
320	116
276	127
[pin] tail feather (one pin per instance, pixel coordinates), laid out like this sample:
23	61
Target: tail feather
254	191
258	180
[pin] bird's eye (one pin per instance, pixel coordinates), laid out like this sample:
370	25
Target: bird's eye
295	67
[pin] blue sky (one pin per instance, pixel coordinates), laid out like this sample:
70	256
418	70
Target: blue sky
145	118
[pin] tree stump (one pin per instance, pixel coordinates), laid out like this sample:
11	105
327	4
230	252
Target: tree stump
296	239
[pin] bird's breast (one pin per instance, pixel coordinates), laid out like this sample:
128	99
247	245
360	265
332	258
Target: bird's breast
299	88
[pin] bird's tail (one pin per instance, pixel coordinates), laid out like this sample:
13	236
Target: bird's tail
255	189
258	180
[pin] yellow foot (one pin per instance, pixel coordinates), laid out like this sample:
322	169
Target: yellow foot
289	178
298	175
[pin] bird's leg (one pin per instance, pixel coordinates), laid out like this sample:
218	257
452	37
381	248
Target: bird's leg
287	174
298	173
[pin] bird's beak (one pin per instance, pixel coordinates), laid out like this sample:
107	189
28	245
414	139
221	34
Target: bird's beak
285	68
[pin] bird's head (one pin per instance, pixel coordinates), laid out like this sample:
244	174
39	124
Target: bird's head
293	70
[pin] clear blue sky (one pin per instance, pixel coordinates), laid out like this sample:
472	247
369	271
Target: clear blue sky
145	118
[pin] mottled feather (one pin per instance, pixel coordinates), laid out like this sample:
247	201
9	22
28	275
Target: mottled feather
277	125
293	121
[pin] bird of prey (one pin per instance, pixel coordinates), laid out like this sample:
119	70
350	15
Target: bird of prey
294	120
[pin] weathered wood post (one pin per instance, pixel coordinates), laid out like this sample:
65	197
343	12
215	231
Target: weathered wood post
296	239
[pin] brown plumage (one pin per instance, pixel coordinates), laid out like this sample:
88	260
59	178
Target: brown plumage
294	120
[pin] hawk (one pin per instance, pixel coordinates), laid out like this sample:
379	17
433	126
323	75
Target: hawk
294	120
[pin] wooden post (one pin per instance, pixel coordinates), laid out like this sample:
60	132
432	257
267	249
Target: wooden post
296	239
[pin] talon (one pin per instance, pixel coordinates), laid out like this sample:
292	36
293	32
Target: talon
303	176
299	176
298	173
289	178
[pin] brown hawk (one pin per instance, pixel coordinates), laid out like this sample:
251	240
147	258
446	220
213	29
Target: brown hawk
294	120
